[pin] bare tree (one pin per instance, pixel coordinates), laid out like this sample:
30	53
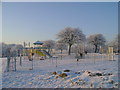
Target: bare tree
61	46
71	36
97	40
115	43
4	49
49	44
12	46
78	49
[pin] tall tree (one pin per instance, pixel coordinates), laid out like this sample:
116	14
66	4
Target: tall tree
97	40
71	36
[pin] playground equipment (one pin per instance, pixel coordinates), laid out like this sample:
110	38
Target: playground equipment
46	53
38	54
38	50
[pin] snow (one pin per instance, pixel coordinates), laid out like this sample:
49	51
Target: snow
95	71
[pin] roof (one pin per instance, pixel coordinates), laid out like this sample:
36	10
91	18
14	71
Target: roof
40	48
38	43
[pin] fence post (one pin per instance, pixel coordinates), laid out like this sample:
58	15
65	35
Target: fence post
8	59
15	62
56	61
8	63
20	60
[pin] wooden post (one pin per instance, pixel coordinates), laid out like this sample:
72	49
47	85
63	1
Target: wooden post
8	59
61	57
94	57
56	61
20	60
15	62
8	64
32	64
77	60
32	61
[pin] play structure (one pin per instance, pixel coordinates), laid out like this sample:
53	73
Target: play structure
38	51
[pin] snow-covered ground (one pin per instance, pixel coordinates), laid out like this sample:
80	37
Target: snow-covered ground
95	71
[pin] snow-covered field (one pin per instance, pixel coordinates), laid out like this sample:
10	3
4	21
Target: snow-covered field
95	71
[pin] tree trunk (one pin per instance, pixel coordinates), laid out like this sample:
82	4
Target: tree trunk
69	50
95	48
